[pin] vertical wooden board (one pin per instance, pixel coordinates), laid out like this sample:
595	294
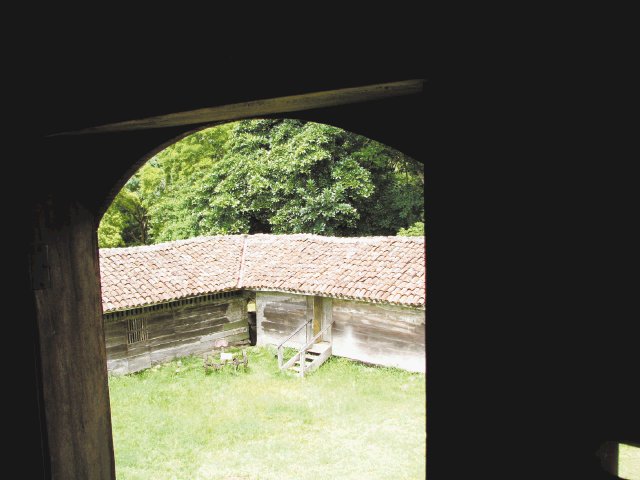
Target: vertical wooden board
327	317
72	347
317	314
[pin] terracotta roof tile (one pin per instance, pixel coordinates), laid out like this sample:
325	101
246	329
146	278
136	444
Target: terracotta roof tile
388	269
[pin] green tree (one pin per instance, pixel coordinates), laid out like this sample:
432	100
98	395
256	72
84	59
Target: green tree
125	222
270	176
110	229
171	181
287	176
415	230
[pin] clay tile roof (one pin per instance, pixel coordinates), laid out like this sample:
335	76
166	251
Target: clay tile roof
137	276
390	269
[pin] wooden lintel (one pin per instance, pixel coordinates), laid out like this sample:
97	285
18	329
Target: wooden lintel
238	111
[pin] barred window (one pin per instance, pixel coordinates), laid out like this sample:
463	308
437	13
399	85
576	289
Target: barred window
136	330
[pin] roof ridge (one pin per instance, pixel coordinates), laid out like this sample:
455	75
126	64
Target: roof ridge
162	245
387	269
241	269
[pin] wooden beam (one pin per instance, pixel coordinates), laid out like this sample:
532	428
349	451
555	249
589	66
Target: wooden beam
317	314
327	317
72	345
238	111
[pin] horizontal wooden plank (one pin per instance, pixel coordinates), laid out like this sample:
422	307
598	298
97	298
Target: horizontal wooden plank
117	351
137	348
377	322
236	337
160	320
375	332
115	340
365	344
236	324
261	107
114	327
228	333
386	320
181	337
200	323
394	315
160	331
197	310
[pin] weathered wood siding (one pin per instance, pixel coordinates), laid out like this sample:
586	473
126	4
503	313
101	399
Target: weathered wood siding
376	333
182	328
278	315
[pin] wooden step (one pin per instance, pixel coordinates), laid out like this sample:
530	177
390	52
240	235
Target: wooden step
314	357
307	360
319	348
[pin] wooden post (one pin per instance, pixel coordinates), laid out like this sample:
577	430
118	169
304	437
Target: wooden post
317	315
309	318
302	362
327	317
72	347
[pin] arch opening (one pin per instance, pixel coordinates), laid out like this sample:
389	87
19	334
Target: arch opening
159	176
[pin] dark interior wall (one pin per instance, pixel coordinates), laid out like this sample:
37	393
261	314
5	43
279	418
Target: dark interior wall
114	168
531	346
67	174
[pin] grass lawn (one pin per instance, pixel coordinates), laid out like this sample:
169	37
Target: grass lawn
344	421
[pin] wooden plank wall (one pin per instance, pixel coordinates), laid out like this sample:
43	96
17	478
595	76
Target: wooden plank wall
175	332
278	315
375	333
378	333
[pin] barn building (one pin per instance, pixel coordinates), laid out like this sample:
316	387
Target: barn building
178	298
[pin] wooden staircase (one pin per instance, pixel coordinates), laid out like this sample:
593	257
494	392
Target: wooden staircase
309	358
315	356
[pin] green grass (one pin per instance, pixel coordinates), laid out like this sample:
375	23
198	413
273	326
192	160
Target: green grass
344	421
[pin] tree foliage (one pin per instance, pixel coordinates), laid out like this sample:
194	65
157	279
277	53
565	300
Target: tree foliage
415	230
269	176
